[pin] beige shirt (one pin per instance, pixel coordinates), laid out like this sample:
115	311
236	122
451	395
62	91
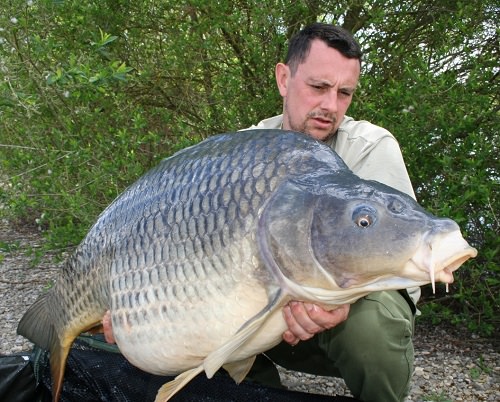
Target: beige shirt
370	151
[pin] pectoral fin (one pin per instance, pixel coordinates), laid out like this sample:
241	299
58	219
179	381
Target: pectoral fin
169	389
219	357
215	360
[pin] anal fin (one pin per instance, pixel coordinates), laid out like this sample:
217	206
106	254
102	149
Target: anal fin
239	370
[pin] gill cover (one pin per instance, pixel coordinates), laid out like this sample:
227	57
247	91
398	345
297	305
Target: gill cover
286	225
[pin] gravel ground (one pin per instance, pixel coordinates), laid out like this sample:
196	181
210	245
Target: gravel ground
450	364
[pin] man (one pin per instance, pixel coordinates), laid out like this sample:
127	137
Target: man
369	343
371	349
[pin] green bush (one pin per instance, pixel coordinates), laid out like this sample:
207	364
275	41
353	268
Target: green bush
92	94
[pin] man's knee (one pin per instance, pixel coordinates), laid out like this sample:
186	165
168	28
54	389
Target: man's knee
373	349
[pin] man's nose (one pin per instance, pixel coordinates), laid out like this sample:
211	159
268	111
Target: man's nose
329	101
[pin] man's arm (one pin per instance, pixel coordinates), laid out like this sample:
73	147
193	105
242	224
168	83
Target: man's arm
303	320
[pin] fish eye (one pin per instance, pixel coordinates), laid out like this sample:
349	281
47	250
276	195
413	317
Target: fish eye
363	221
364	216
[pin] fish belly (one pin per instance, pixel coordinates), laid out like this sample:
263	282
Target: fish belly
169	328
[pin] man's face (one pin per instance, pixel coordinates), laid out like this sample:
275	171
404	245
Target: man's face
316	98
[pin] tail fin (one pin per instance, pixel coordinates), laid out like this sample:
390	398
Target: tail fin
37	326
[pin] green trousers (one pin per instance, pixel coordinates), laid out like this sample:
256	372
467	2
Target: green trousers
372	350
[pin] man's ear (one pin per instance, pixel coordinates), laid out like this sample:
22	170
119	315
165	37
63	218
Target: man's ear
282	73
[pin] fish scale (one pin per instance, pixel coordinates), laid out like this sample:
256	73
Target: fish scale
196	259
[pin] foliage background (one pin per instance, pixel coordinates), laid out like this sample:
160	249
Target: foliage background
92	94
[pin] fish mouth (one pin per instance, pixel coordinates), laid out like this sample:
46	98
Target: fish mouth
440	255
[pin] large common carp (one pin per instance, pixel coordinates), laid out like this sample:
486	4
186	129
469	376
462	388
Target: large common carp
196	259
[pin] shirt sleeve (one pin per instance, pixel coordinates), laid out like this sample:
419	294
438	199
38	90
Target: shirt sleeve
372	153
274	122
384	163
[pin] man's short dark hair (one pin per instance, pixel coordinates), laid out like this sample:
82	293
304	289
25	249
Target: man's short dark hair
334	36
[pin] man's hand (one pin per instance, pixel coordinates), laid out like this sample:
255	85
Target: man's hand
108	328
304	320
